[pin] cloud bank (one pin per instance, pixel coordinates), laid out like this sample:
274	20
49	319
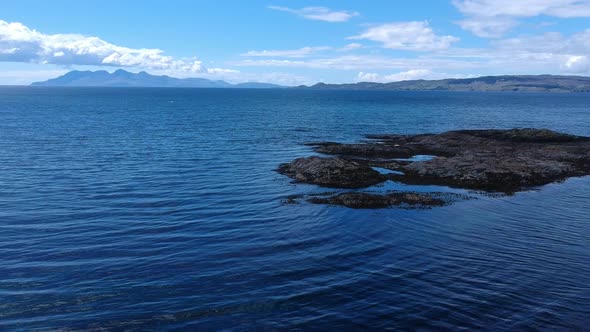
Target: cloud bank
409	36
524	8
19	43
493	18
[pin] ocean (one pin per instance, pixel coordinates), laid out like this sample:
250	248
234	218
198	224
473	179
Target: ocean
160	209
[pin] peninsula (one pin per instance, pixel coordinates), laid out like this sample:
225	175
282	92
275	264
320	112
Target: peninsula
524	83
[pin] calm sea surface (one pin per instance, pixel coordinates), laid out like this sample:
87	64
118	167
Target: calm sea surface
159	209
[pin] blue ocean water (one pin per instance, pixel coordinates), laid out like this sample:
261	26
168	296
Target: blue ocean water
159	209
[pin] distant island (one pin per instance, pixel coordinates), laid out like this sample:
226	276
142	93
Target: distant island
123	78
527	83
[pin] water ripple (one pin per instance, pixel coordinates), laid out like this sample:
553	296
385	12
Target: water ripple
122	211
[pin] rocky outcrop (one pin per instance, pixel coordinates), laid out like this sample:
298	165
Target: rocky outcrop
331	172
491	160
524	135
490	172
532	83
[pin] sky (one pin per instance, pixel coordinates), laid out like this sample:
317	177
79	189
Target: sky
293	42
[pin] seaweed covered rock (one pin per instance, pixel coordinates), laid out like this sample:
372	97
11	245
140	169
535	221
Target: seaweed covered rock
360	200
492	160
331	172
487	173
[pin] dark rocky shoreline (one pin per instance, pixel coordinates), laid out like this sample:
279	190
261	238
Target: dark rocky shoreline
504	161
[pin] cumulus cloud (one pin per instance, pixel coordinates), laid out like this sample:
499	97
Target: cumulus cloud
577	64
19	43
410	36
368	77
492	18
319	13
413	74
297	53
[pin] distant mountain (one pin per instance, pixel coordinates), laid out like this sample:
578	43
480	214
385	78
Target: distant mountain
122	78
530	83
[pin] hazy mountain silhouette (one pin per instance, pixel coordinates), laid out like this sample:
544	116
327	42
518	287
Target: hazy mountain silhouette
123	78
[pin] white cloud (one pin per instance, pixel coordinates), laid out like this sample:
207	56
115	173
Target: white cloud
550	53
350	47
19	43
368	77
319	13
221	71
569	53
493	18
297	53
488	27
551	42
411	36
413	74
524	8
363	62
577	64
303	52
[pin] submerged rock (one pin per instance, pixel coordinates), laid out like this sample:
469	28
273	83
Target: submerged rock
331	172
359	200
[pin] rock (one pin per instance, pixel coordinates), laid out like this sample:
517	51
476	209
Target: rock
364	150
525	135
491	160
331	172
359	200
291	199
488	173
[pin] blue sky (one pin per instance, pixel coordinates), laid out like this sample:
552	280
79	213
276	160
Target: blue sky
295	42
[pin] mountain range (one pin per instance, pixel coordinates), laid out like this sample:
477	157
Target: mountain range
123	78
529	83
